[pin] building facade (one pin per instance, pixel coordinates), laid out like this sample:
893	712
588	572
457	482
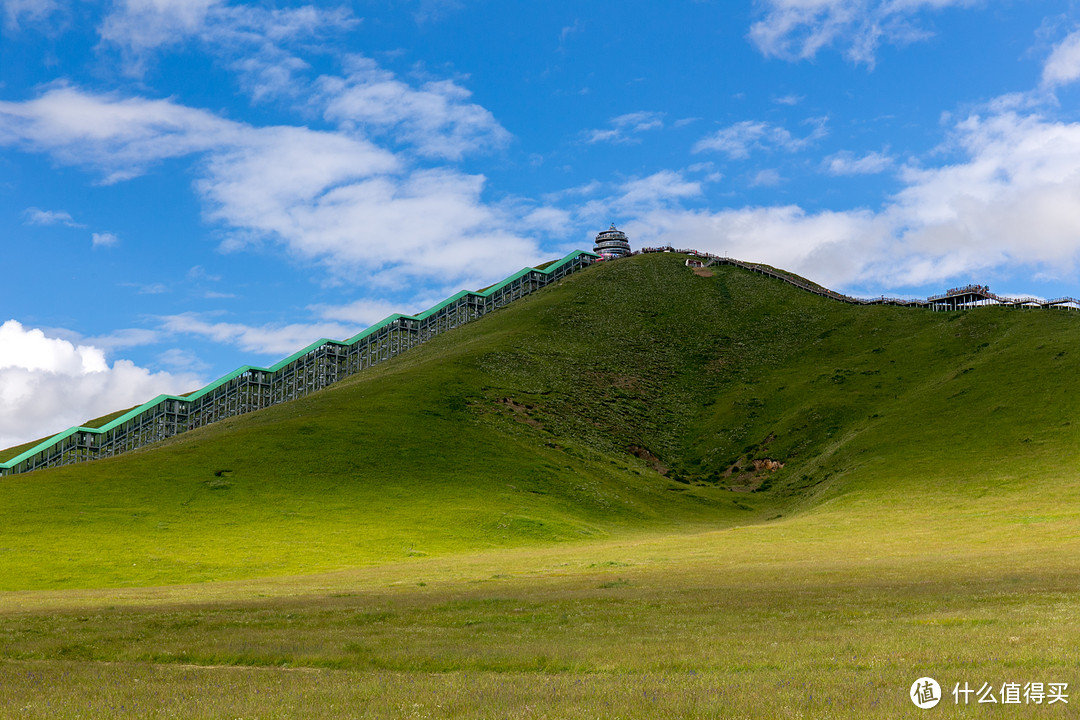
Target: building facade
612	244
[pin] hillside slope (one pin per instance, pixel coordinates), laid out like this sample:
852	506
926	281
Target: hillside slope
632	398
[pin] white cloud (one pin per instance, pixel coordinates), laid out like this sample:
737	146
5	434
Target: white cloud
256	42
48	384
277	340
147	288
430	221
592	187
739	140
251	40
549	220
32	350
199	273
798	29
769	177
658	187
143	24
1009	200
625	128
828	247
637	196
845	163
569	30
17	11
325	196
435	118
35	216
790	99
368	311
104	239
120	136
124	338
1014	199
435	10
269	73
183	360
1063	65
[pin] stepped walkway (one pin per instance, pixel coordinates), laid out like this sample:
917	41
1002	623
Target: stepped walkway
320	364
962	298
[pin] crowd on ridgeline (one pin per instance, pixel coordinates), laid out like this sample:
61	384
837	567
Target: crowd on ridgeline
684	251
981	289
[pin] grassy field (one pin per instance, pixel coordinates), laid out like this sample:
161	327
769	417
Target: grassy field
556	512
815	617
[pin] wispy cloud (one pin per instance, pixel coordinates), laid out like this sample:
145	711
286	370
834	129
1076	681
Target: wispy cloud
124	338
769	177
846	163
120	137
18	12
34	216
435	118
739	140
199	273
253	41
104	239
789	100
148	289
430	11
569	31
635	196
626	128
799	29
183	360
144	24
1063	65
265	339
368	311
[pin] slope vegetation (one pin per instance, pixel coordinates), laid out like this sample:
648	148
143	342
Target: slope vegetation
637	398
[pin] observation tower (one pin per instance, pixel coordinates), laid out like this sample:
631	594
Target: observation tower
611	244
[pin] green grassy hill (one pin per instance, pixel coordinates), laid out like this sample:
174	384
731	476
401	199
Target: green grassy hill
636	396
642	493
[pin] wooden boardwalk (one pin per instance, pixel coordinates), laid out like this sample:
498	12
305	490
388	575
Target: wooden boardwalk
961	298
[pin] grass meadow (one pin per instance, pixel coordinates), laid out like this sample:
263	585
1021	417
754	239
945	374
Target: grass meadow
815	617
555	513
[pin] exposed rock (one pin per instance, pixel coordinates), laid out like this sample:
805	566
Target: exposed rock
640	452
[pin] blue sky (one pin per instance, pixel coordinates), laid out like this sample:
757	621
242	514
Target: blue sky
187	186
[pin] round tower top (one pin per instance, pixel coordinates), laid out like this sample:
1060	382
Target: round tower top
612	244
